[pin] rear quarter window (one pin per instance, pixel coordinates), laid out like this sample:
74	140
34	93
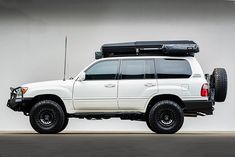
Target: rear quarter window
172	68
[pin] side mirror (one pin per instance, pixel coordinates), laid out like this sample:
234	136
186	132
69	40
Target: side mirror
82	76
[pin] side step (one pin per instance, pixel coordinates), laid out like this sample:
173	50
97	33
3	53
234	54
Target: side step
139	116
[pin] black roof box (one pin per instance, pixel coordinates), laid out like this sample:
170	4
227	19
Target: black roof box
149	48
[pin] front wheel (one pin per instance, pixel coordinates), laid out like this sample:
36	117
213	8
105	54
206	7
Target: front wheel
165	117
66	121
47	117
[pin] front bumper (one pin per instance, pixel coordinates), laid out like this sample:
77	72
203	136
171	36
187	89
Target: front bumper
199	106
18	103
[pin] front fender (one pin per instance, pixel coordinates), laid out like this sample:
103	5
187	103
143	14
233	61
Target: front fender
62	92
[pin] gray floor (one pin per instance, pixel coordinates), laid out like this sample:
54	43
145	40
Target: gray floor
114	144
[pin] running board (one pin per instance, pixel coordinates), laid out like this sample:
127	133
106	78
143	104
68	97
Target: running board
106	115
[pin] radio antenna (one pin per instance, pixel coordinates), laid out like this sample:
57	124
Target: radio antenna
65	57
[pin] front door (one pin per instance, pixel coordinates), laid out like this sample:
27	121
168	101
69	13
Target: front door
98	92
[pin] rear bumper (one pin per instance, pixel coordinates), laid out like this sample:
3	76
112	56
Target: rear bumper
199	106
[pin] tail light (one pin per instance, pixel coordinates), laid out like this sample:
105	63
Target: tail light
204	90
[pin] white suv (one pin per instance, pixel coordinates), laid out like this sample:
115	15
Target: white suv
149	85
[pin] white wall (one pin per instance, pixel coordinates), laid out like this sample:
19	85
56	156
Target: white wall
32	46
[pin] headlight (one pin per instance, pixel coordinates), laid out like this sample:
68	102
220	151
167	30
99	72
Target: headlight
21	91
18	93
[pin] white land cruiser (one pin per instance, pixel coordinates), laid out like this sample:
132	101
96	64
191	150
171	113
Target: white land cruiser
159	82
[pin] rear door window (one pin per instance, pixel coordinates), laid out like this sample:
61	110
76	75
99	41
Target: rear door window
172	68
137	69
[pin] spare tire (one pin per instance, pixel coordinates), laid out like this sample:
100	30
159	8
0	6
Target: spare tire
219	84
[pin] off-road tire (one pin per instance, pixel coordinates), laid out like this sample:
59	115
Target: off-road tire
66	121
47	117
158	120
219	83
149	126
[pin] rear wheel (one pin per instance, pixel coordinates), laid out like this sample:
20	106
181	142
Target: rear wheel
47	117
165	117
149	126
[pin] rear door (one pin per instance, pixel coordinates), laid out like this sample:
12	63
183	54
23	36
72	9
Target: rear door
137	83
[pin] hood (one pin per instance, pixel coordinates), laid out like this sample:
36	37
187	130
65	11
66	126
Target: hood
48	83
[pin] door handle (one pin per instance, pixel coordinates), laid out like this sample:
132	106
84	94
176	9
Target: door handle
150	84
110	85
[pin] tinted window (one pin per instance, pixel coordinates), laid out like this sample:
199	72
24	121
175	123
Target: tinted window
173	68
149	69
104	70
137	69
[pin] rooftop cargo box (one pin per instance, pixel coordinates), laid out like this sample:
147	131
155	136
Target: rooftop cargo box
149	48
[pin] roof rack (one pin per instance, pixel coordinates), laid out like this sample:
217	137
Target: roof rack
149	48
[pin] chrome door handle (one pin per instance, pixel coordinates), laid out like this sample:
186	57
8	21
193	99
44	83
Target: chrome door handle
150	84
110	85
